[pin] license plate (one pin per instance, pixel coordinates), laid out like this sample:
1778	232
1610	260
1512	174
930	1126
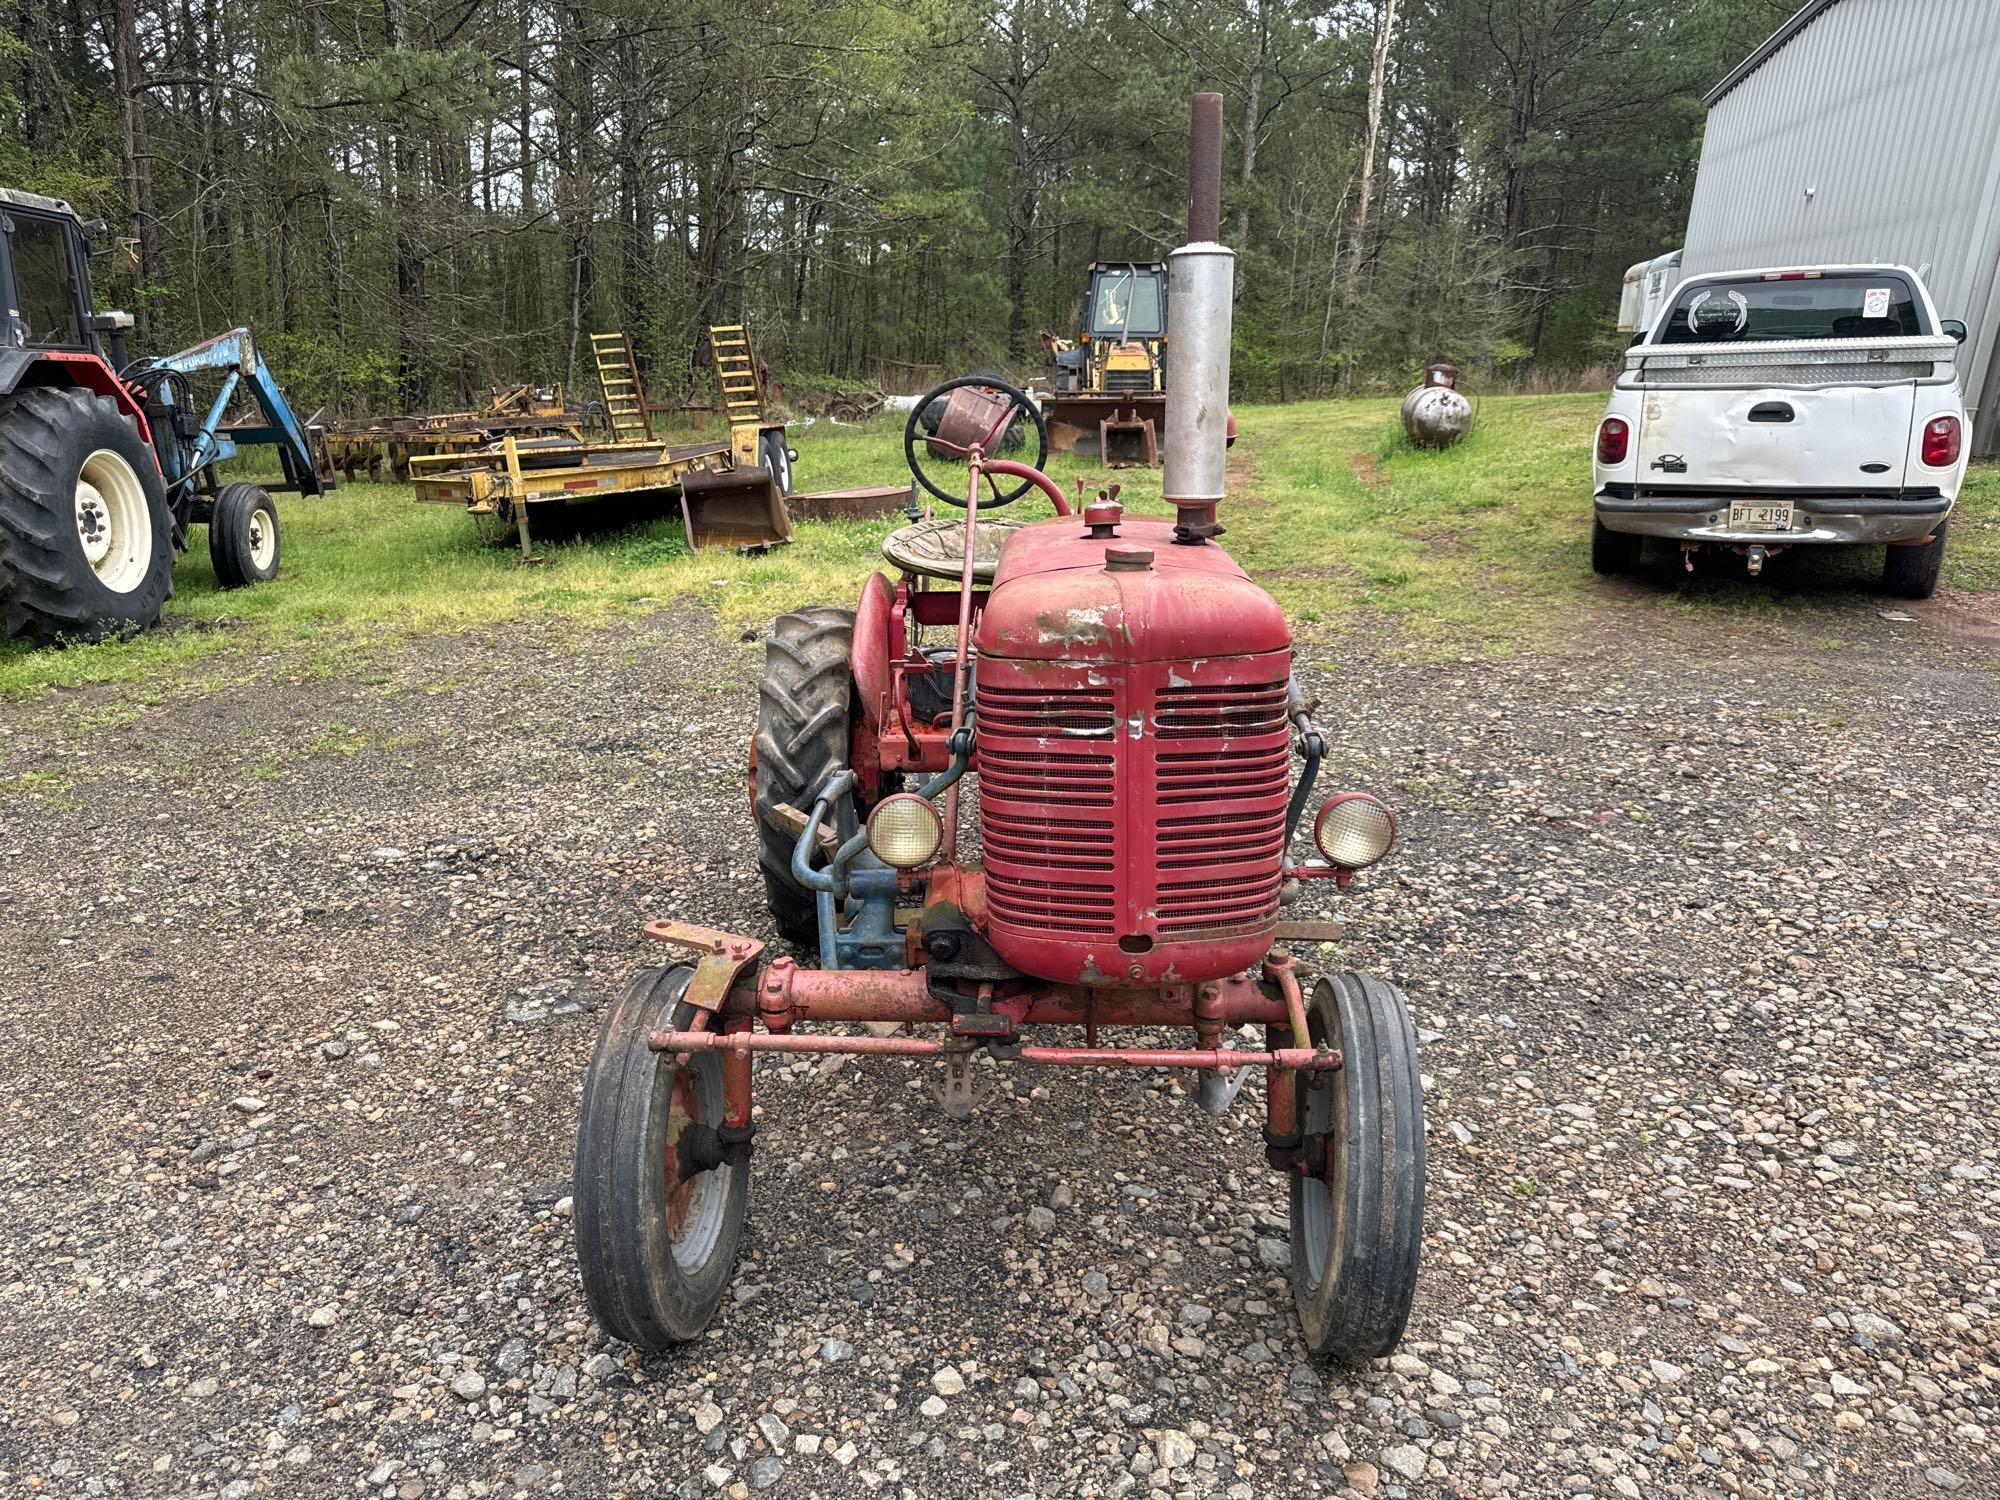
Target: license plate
1759	517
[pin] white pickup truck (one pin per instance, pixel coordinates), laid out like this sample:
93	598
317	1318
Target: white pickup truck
1772	409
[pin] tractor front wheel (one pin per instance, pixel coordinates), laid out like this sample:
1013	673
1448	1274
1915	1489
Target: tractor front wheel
86	539
1358	1198
803	713
658	1213
243	536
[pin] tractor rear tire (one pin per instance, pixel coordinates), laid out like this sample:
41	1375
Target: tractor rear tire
1912	572
86	539
243	536
804	708
1358	1226
656	1247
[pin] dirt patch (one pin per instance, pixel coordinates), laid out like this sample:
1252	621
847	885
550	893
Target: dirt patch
1969	621
1366	469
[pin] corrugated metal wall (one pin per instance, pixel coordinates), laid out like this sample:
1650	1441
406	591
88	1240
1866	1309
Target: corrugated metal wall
1872	135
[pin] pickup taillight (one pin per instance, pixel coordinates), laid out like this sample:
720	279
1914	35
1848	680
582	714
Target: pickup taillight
1941	440
1614	440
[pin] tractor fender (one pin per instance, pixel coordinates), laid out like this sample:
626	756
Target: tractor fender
69	367
871	652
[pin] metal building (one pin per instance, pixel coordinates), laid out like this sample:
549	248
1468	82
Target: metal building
1867	130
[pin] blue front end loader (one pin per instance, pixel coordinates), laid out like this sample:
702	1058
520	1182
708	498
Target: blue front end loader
107	462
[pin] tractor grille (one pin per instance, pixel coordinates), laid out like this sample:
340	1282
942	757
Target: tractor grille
1128	382
1221	775
1070	851
1048	808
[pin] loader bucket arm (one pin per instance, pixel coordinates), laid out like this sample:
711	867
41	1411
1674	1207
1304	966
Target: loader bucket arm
235	354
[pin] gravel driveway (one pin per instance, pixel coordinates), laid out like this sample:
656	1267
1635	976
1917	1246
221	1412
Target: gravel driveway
297	982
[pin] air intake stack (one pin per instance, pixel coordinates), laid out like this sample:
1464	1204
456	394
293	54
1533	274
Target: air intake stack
1201	283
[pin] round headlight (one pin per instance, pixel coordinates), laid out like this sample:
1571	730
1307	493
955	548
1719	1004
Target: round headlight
904	831
1354	830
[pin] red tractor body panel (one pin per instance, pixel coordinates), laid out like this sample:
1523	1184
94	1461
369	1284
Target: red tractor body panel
1132	757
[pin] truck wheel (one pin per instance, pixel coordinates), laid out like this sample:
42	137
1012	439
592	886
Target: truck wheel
86	540
656	1243
1613	552
1912	572
243	536
802	728
1358	1221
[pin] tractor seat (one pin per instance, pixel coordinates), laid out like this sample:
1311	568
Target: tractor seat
935	548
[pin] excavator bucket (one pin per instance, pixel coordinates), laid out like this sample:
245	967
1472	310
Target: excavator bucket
1127	441
741	509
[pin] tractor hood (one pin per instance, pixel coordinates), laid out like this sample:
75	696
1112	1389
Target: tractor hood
1063	595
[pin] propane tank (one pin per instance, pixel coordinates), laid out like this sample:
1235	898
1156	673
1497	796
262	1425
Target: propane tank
1435	415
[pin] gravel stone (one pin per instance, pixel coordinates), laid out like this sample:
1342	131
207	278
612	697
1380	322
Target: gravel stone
1759	944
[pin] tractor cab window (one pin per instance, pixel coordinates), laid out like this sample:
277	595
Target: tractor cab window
1127	302
45	286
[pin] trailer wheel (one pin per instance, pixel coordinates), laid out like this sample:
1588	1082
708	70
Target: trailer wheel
1358	1212
1613	552
802	728
1912	572
243	536
656	1237
86	539
777	458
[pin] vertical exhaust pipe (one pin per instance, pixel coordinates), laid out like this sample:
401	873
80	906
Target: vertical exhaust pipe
1201	285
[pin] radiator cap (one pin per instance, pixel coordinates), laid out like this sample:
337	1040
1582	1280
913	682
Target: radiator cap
1128	559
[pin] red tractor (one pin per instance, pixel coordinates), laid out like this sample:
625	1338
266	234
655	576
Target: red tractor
1123	696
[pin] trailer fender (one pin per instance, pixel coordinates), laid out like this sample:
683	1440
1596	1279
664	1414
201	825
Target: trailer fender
65	367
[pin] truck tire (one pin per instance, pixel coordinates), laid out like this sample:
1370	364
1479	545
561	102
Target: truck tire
1613	552
243	536
1912	572
86	540
803	714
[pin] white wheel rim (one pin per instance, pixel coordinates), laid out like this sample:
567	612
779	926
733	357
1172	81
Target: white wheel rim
113	521
263	539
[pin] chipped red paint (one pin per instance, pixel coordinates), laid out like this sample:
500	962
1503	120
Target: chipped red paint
1133	757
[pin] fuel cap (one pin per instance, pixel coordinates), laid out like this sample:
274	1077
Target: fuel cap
1128	559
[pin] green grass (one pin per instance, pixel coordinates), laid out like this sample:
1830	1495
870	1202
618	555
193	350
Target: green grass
1479	549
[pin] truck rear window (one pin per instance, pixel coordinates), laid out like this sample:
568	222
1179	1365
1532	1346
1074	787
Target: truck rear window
1849	305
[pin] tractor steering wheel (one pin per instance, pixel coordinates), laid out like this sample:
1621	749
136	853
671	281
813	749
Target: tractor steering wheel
985	416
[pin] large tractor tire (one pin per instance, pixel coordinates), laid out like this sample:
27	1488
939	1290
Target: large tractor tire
243	536
803	715
86	540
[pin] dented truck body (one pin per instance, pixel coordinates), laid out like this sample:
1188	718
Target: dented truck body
1773	409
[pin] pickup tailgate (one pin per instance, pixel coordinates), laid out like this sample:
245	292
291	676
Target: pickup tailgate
1818	415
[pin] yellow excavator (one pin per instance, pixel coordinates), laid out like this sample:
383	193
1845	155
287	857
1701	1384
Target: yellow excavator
1110	381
